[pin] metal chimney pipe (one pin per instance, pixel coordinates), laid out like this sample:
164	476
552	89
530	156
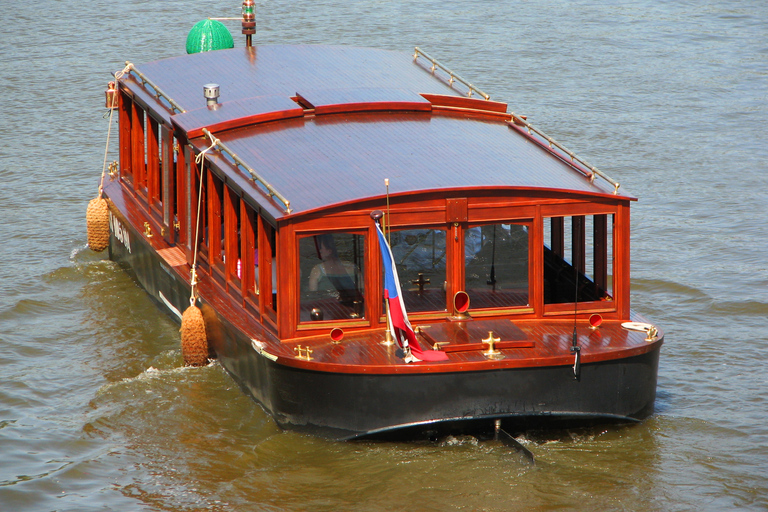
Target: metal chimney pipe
211	93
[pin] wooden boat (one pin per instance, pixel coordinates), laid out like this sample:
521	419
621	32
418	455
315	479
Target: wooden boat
512	254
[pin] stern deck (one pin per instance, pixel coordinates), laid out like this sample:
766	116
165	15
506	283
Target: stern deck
523	344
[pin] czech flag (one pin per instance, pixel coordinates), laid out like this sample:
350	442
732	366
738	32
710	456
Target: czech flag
398	318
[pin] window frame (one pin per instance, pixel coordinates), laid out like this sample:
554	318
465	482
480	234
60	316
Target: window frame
450	257
605	241
531	264
369	312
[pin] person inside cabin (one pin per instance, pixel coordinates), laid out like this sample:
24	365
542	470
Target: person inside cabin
332	276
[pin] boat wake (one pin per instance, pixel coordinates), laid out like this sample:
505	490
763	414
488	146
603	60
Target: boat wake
460	441
747	308
671	295
77	251
158	375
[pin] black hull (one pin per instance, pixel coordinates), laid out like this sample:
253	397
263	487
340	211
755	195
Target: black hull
350	405
423	405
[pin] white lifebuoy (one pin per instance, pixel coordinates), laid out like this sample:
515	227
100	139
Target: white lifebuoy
637	326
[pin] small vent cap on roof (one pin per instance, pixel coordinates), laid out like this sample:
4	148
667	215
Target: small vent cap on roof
211	93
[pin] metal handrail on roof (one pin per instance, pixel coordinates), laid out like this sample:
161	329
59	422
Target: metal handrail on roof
519	120
215	141
516	119
158	92
453	76
254	175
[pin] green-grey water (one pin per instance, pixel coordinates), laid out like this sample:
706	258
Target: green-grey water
669	98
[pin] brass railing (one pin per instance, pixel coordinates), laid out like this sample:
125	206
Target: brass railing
516	119
453	77
158	92
254	175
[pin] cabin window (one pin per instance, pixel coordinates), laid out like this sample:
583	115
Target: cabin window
420	256
166	177
215	235
232	242
153	163
578	249
175	199
200	214
183	200
125	116
496	265
331	273
138	150
267	274
248	267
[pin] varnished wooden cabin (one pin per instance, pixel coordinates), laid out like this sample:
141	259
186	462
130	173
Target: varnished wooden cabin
499	234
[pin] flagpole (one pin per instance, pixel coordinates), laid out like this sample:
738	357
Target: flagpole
389	339
387	230
399	326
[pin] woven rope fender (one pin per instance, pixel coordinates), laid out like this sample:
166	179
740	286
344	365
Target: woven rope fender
194	343
97	219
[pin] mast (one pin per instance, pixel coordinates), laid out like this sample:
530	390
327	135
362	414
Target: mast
249	21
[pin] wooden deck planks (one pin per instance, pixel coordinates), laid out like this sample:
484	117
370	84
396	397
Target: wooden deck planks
417	151
234	114
286	70
363	352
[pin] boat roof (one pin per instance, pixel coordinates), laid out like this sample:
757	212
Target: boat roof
371	116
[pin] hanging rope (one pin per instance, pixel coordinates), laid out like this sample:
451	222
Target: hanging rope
200	161
97	213
118	76
194	342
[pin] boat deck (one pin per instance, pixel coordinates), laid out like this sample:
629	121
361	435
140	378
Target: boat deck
528	343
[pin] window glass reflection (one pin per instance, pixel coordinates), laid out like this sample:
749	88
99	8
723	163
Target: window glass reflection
420	258
496	264
331	277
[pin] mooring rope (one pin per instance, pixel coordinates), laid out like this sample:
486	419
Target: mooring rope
200	161
118	76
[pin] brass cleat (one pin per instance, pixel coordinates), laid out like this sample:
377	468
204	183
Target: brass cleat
303	353
492	353
421	282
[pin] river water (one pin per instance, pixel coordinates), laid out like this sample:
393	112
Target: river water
669	98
